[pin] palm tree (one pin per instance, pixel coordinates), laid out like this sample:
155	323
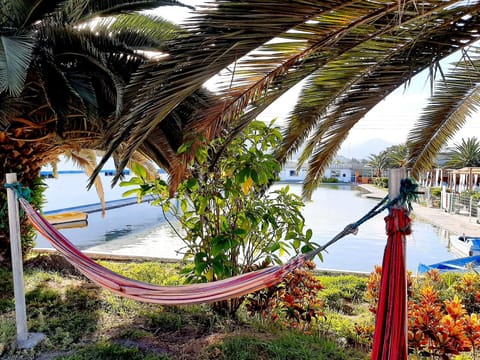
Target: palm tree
464	154
397	156
63	77
378	163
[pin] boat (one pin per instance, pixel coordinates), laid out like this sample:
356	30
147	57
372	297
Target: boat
71	217
458	265
464	245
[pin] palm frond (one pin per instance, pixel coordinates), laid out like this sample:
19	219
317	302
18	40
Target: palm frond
352	99
86	159
139	31
74	11
454	100
221	36
16	53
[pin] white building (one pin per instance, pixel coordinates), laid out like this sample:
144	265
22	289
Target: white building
290	173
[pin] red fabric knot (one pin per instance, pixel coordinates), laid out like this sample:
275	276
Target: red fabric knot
398	221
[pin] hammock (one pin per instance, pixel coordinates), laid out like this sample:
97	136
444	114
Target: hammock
233	287
165	295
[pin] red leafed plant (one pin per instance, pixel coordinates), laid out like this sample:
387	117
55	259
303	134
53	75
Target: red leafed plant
439	328
294	301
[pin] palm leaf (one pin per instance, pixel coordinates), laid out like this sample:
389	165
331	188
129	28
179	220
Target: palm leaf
74	11
195	59
86	159
454	100
15	57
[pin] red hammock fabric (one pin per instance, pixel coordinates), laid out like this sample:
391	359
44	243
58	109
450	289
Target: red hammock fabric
390	339
165	295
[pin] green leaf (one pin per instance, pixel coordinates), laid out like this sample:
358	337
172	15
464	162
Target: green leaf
134	181
240	232
139	170
184	147
132	192
192	184
201	154
243	175
218	266
220	244
291	235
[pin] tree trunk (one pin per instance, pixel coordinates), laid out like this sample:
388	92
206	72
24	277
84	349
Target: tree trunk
24	159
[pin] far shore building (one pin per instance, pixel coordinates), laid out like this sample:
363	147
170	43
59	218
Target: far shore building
291	173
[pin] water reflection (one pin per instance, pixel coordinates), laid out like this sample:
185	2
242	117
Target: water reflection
141	230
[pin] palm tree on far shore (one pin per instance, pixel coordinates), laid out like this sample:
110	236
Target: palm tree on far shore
464	154
378	163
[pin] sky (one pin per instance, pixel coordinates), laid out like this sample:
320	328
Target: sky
391	120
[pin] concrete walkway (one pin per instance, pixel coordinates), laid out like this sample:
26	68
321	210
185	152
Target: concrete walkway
453	223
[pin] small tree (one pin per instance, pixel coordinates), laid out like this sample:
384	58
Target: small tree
230	223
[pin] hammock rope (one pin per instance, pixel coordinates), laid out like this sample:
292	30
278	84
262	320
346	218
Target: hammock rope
233	287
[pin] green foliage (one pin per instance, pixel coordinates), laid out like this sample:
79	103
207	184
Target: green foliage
392	157
28	233
229	222
342	292
436	191
6	295
381	182
287	346
464	154
111	351
7	331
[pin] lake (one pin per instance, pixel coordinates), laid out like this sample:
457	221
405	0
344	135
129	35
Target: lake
140	229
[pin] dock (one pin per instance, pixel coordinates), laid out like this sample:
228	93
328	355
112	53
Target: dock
97	207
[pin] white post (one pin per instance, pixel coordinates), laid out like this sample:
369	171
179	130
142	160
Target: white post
24	339
394	179
17	262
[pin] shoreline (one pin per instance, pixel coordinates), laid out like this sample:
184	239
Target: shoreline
455	224
435	217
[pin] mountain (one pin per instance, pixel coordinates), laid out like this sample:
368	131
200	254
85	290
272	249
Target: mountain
365	149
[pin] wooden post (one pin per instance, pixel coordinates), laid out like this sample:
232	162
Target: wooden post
24	339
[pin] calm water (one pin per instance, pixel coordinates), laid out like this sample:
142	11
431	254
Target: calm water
141	229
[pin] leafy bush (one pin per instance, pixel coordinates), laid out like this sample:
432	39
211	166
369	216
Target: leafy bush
229	222
381	182
329	180
441	314
436	191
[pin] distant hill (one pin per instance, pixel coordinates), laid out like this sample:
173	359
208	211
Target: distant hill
365	149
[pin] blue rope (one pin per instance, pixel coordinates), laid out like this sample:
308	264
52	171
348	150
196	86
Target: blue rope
21	192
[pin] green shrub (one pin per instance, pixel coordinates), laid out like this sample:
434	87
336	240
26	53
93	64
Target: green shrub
381	182
329	180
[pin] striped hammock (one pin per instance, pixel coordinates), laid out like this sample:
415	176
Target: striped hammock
233	287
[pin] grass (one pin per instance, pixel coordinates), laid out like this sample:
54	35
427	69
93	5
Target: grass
81	321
